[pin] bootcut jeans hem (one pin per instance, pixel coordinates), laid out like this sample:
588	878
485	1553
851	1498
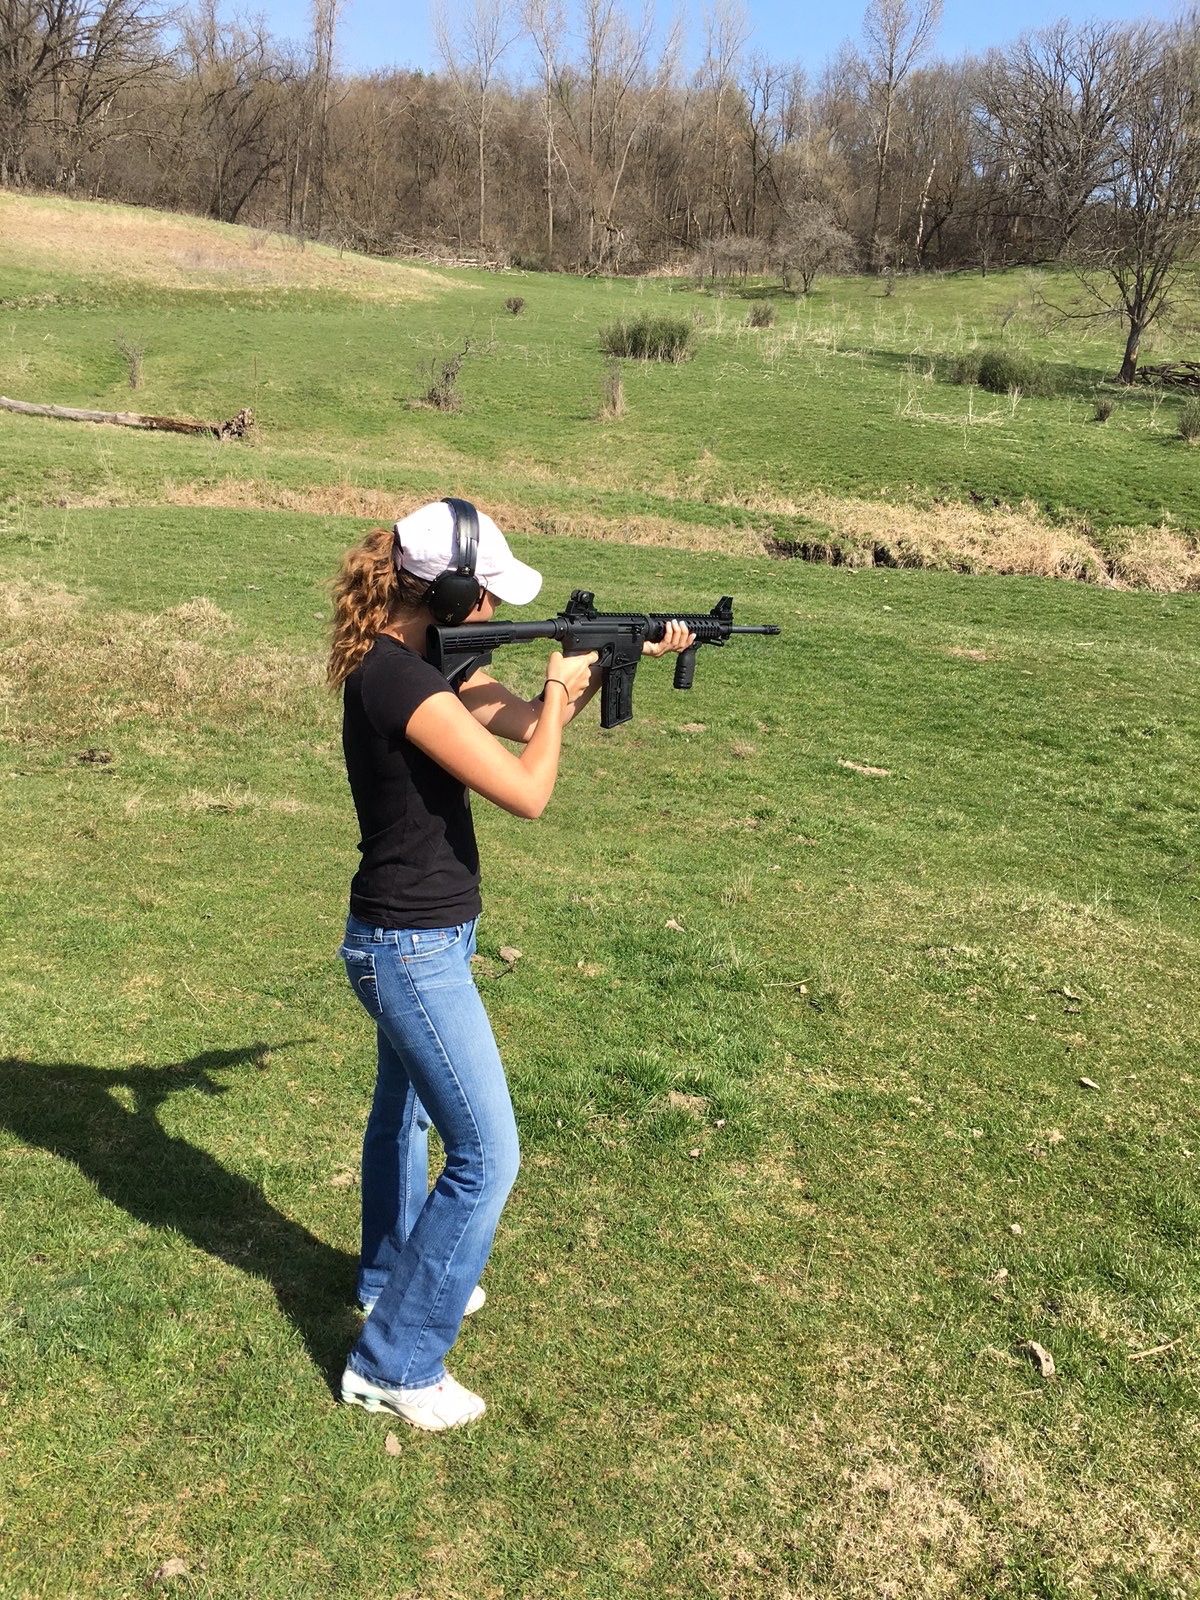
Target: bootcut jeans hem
389	1383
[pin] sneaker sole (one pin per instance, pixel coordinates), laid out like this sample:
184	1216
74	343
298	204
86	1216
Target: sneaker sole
416	1416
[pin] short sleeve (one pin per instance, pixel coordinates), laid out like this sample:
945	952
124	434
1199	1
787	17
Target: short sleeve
395	682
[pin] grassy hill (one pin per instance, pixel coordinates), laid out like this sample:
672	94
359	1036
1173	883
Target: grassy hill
834	430
853	1038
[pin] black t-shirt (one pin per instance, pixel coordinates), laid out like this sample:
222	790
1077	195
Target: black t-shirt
420	863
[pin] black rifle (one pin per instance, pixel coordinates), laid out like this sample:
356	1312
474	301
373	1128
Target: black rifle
617	636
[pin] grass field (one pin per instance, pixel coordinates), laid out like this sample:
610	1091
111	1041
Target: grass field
834	424
911	1082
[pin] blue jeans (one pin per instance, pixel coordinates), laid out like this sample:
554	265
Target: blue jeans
422	1253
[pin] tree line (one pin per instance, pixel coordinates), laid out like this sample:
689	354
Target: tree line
566	134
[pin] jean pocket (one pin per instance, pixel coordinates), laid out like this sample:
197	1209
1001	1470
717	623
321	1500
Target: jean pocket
430	942
360	969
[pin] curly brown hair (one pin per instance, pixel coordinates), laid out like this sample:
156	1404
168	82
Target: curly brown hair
368	593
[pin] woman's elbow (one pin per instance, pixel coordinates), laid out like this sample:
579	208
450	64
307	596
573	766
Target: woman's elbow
524	805
532	809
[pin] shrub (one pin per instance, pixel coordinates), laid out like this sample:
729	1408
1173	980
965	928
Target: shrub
761	314
515	304
612	393
966	369
134	355
648	338
1001	371
441	380
1189	422
1104	409
814	245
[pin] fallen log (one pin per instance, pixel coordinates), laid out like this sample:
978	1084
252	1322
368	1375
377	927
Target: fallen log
236	427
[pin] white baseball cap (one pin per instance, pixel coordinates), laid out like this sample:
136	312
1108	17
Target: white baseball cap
426	547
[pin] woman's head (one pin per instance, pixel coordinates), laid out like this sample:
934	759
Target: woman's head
386	578
431	541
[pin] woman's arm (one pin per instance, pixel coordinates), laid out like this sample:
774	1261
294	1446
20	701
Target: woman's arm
506	715
503	713
449	734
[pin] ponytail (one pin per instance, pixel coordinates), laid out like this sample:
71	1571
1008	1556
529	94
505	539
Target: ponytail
367	593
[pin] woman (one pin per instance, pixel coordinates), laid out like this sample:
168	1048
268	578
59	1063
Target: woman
414	749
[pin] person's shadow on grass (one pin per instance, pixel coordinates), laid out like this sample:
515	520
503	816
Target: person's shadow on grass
161	1180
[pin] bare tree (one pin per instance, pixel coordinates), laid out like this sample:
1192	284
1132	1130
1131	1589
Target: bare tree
545	22
1143	227
116	47
767	92
726	30
606	103
317	88
472	57
897	34
63	63
231	129
1049	107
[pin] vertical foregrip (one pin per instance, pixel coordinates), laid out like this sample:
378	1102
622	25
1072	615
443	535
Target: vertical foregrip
685	668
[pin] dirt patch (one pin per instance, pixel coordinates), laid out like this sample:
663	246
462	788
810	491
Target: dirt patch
867	772
696	1105
178	252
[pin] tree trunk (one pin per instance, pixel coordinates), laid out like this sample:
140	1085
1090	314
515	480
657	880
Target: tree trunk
549	184
882	150
920	244
235	428
482	180
1128	372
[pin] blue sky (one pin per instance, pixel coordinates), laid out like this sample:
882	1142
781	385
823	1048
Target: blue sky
381	33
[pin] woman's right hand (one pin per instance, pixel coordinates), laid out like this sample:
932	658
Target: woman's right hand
573	672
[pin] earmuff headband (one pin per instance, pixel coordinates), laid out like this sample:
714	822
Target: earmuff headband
455	593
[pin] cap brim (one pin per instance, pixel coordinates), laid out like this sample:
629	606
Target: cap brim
517	585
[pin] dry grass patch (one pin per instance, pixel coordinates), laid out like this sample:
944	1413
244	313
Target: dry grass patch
956	537
1153	558
384	506
68	674
178	252
237	797
897	1527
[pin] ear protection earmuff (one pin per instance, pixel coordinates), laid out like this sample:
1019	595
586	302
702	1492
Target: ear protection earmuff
456	592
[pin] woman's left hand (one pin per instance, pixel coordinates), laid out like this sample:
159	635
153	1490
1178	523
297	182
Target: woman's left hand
676	639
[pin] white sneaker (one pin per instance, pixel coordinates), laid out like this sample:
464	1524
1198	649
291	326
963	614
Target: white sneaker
474	1303
434	1408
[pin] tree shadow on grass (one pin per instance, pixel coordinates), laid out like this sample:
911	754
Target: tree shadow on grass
67	1109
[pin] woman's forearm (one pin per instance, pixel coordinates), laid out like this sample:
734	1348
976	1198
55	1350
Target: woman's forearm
540	757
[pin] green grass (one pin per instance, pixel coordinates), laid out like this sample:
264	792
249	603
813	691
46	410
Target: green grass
780	1365
756	1307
